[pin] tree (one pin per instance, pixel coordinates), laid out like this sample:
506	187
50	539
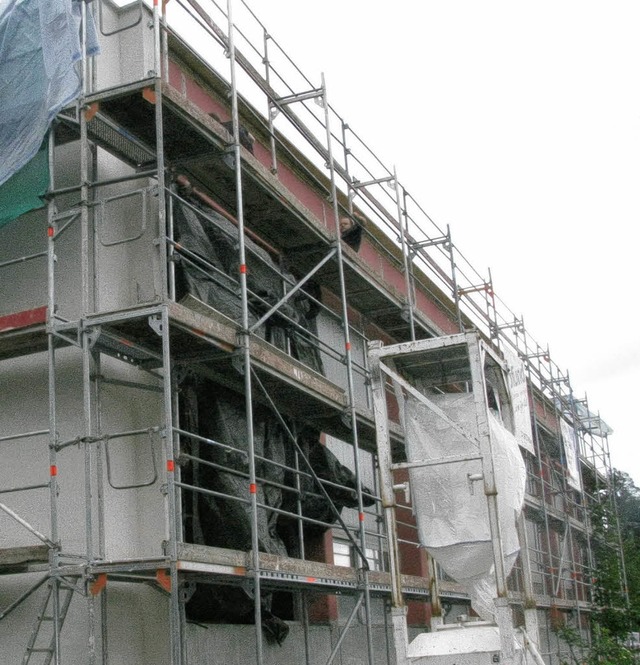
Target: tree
627	497
606	650
609	597
615	521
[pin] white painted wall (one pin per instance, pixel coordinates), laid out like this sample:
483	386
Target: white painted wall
133	519
126	56
235	645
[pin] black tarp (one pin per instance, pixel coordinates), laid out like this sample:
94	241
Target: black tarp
207	269
221	464
208	266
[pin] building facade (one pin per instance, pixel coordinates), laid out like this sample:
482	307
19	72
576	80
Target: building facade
188	428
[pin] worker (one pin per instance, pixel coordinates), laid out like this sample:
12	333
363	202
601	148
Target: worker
351	227
247	139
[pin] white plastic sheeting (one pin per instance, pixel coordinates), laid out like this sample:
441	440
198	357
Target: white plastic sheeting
519	392
39	48
451	510
571	455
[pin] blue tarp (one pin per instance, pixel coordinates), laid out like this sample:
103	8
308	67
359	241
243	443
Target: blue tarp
39	49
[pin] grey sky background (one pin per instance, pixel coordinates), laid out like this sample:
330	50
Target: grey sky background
519	125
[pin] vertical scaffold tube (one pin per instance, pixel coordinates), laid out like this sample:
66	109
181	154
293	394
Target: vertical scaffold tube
349	367
173	517
245	339
502	610
53	465
406	256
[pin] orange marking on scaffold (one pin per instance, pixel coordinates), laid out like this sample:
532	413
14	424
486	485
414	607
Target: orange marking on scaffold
98	584
243	268
361	517
149	94
312	579
239	570
163	579
171	466
253	488
50	231
91	110
53	470
347	346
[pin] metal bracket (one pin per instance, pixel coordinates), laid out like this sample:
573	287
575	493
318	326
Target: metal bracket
155	323
487	287
356	184
248	586
187	589
237	361
300	97
445	241
93	336
406	489
473	478
345	417
543	354
517	325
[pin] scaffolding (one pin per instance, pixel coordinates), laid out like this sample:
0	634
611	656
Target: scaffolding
147	149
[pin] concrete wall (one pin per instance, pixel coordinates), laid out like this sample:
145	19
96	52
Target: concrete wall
235	645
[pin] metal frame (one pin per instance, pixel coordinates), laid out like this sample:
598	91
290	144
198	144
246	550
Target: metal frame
382	360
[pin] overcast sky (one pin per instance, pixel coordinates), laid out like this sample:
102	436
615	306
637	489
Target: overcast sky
519	125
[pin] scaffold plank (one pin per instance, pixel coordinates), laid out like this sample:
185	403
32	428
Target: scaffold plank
23	332
22	557
213	560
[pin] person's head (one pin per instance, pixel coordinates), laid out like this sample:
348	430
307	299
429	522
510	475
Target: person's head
346	224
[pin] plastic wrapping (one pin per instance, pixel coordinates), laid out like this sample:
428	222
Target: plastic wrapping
39	48
207	235
207	267
214	520
451	509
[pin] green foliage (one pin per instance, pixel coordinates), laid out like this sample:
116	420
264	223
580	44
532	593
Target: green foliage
614	616
608	590
627	497
606	649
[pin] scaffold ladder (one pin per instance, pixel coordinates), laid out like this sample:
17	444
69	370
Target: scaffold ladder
40	644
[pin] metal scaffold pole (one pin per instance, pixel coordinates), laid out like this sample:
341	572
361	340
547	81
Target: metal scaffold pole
245	340
176	615
53	463
398	609
349	368
502	609
88	305
407	258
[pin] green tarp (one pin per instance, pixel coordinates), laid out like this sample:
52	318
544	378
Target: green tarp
24	189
